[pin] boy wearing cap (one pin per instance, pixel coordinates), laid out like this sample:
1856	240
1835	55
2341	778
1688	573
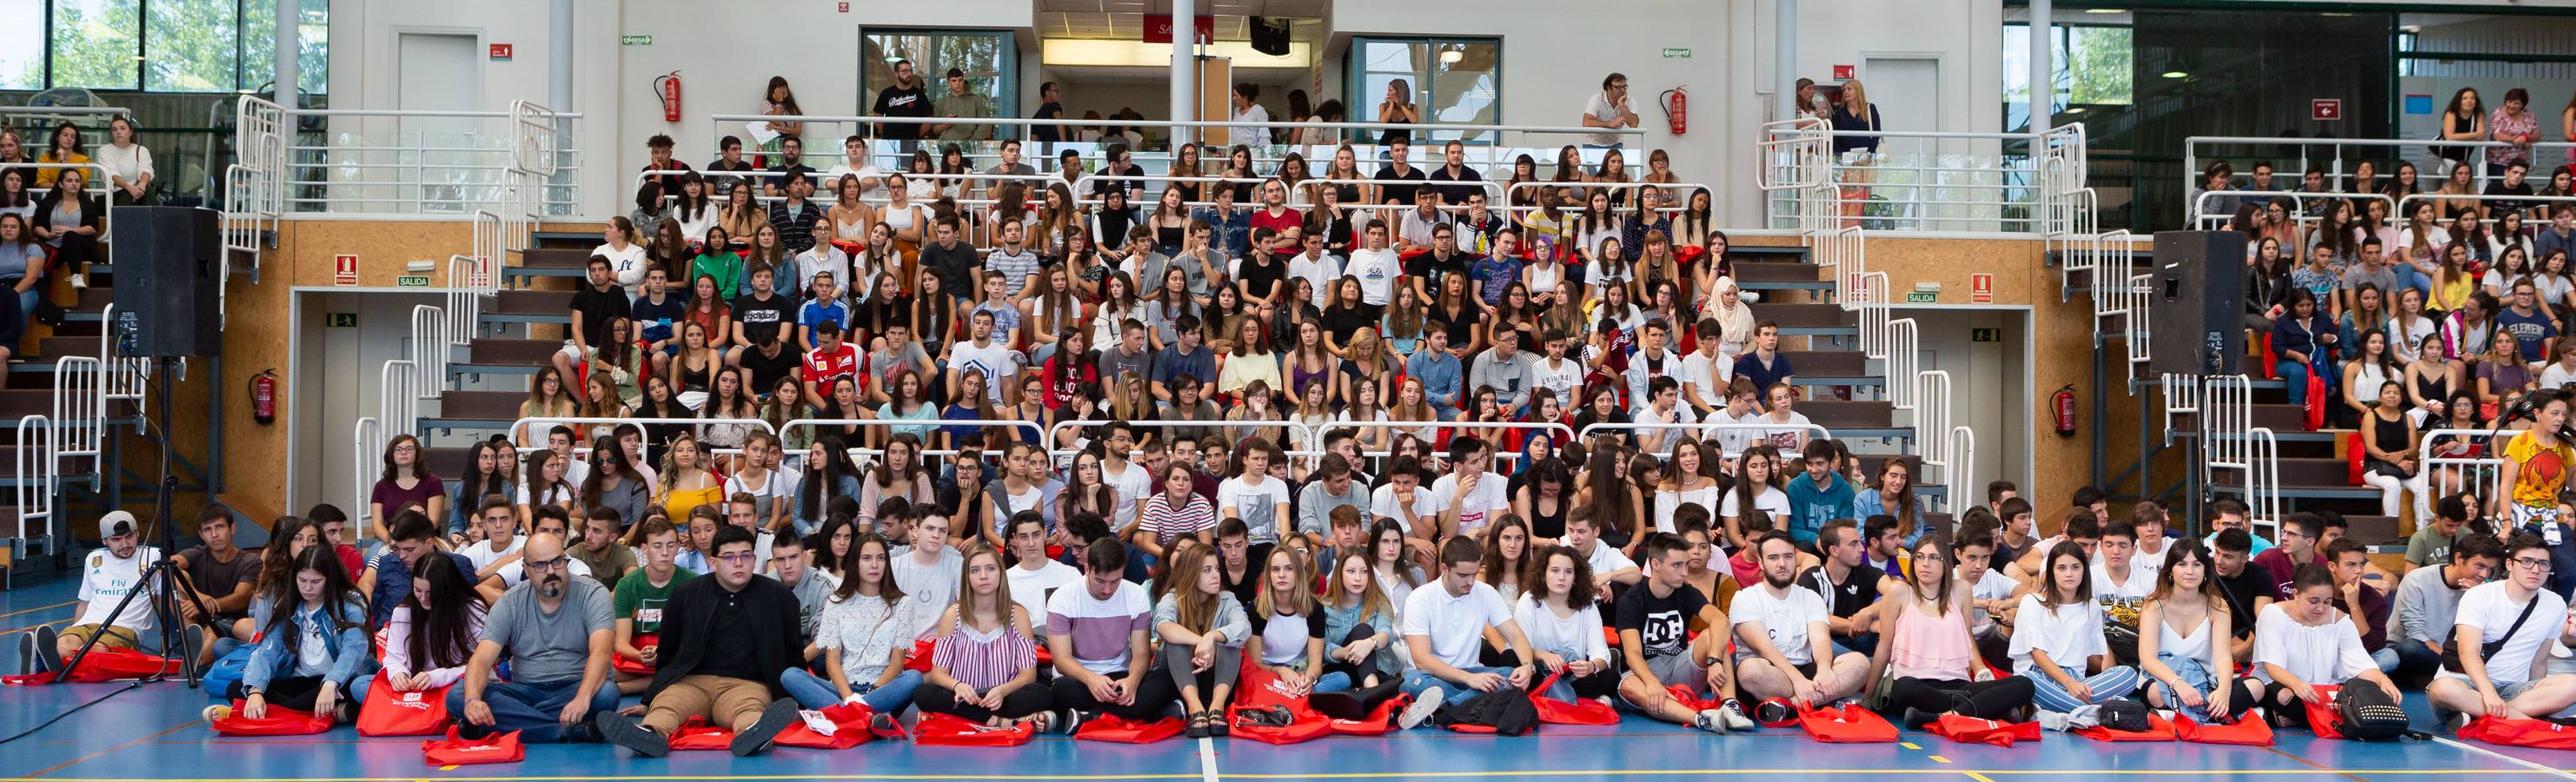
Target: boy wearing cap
107	576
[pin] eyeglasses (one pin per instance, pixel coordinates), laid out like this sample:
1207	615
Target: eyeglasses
738	557
533	565
2533	565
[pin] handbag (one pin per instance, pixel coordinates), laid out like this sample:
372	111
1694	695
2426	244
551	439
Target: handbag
2250	732
281	721
632	666
1379	721
456	751
1257	688
2486	648
391	712
696	735
1970	730
1846	724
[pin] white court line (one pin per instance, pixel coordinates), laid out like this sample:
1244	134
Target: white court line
1207	760
2504	757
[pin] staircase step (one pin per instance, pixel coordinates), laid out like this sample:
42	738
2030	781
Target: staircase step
1767	253
481	405
527	352
1828	363
532	302
446	461
1835	414
2372	530
15	403
1797	316
51	348
1761	276
2306	471
555	257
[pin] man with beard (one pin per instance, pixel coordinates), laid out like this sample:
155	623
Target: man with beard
1783	642
725	641
559	631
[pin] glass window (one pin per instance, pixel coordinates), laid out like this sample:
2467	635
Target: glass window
1449	80
22	46
989	61
192	45
95	43
313	35
2099	71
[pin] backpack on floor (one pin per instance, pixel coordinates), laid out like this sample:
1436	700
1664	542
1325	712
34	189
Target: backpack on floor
2364	712
227	671
1503	712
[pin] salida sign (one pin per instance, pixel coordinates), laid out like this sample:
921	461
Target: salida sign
1158	28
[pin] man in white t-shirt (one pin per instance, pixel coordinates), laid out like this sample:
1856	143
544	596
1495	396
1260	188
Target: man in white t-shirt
1377	267
1608	109
2116	581
1035	578
1608	566
1781	634
1444	626
1132	482
1736	426
1663	406
2516	612
998	363
500	542
108	575
1097	634
1403	499
854	161
1469	498
1706	373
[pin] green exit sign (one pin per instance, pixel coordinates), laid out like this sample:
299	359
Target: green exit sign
1921	297
340	320
1674	53
1985	335
636	40
412	281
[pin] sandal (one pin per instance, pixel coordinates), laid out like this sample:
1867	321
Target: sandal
1198	728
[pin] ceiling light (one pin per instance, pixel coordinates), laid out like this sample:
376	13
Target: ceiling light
2174	74
2103	11
1452	56
2073	110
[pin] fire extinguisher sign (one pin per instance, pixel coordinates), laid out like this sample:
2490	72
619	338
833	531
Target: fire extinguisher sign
344	269
1981	288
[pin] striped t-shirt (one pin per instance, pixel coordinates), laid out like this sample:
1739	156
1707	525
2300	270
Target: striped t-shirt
1168	523
1099	629
985	659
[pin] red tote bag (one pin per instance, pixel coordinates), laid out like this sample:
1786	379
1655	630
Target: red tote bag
849	723
630	665
388	712
1118	730
2157	730
695	735
1258	688
454	751
1580	711
1970	730
1380	721
2250	732
2537	734
2323	719
1846	724
919	660
942	730
281	721
104	664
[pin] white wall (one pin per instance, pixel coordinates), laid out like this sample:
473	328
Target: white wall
344	372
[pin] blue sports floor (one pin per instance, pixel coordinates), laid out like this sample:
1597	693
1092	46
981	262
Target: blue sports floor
153	733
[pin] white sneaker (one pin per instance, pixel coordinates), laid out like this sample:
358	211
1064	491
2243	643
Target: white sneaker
216	712
1709	720
80	281
1733	713
1421	708
2085	716
2054	720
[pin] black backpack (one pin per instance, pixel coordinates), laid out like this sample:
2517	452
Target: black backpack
2366	713
1503	712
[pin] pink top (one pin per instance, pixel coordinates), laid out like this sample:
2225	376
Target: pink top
1931	647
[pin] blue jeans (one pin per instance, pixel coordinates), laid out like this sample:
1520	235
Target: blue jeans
815	692
1417	681
2107	685
535	710
1335	681
2193	673
2413	657
2295	373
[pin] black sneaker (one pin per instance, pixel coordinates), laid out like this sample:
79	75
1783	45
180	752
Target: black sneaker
625	732
1068	721
49	653
192	642
753	740
885	725
1915	718
27	652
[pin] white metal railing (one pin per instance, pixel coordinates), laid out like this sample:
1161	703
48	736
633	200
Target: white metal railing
1904	358
2230	441
2337	164
367	440
1961	472
1719	432
78	407
399	397
414	170
465	291
2482	475
2182	395
1925	181
430	347
1796	154
38	460
2403	203
254	196
1932	416
2202	218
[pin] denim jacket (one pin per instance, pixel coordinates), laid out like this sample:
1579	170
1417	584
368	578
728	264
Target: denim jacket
347	647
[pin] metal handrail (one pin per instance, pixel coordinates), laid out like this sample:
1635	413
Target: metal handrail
398	400
1806	144
2193	174
2482	476
429	347
1311	433
1805	431
2201	216
38	460
367	439
78	407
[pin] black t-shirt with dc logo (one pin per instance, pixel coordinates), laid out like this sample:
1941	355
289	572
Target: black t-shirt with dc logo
1662	623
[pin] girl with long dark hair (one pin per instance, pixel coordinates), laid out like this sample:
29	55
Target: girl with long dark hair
313	647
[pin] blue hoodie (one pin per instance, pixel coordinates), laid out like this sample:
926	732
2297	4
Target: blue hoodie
1811	507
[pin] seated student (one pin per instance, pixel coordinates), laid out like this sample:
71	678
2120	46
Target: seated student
1990	592
1034	577
2431	544
790	567
1929	651
1098	635
727	640
2225	515
2176	639
1850	591
697	536
558	631
1235	568
1558	610
314	645
1359	624
107	576
2503	628
1350	531
500	544
865	636
219	574
2057	640
2428	602
2015	525
1203	629
608	559
2081	527
433	633
1656	622
1288	627
1691	524
1783	640
985	670
2301	534
2366	603
550	520
930	570
2118	584
2310	643
2246	587
387	579
1882	546
1444	628
1607	566
2147	549
640	596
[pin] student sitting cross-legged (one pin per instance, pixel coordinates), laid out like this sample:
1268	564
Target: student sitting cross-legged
726	640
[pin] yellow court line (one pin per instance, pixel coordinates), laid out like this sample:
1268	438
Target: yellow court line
1939	759
38	608
1978	777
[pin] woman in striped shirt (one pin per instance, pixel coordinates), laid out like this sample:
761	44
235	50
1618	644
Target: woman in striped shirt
1178	511
986	668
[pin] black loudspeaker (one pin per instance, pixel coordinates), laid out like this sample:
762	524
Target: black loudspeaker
2196	303
1270	35
169	277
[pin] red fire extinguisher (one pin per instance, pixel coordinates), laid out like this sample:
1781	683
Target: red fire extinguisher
668	86
1677	109
2063	403
263	396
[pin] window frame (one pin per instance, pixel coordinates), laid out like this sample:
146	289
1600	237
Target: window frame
1006	77
1355	76
242	63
